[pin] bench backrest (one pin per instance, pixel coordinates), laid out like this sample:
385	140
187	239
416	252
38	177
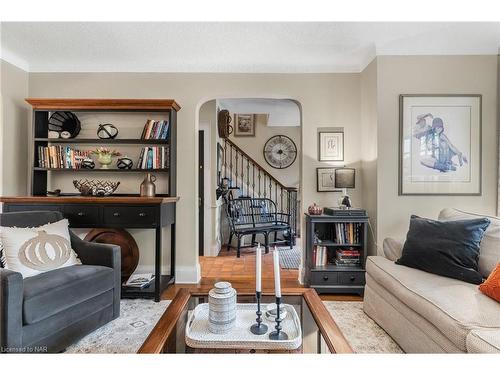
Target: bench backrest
251	212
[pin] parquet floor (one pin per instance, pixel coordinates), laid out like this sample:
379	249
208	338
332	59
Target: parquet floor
241	273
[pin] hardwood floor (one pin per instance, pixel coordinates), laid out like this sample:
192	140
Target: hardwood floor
241	273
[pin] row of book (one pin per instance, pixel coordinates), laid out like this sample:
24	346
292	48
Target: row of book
347	233
154	158
61	157
320	256
347	257
155	130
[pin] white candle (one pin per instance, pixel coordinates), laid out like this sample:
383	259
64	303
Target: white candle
277	284
258	267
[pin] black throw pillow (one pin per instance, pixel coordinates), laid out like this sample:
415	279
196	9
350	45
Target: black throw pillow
446	248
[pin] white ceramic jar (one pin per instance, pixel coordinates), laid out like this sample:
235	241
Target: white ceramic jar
221	308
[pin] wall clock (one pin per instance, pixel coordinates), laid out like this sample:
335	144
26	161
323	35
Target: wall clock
280	151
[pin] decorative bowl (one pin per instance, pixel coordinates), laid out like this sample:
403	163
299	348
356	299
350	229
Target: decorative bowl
96	188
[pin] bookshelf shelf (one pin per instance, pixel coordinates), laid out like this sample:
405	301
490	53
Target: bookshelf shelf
331	240
95	141
109	170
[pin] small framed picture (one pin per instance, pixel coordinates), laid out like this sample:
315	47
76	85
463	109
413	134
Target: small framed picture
244	125
325	180
331	146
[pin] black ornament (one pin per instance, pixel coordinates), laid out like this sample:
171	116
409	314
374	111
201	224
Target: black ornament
65	121
88	164
124	163
107	131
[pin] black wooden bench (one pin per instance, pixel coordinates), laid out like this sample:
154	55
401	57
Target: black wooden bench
252	216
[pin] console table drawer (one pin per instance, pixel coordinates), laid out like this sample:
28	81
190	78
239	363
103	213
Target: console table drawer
352	278
324	278
81	215
131	216
34	207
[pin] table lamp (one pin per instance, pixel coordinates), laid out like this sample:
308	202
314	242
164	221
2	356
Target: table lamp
345	179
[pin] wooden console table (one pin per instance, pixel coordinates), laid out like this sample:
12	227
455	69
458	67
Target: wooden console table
113	212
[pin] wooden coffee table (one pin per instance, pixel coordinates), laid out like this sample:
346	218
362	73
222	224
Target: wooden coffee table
320	333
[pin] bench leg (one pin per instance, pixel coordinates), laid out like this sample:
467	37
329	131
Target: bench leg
229	242
275	236
266	242
238	247
253	239
291	238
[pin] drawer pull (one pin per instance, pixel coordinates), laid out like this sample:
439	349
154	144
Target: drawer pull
353	278
325	277
81	213
116	214
142	214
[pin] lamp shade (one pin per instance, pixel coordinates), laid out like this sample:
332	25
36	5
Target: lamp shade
345	178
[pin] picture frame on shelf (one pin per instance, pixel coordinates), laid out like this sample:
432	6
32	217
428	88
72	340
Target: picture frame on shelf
244	125
325	180
331	146
440	144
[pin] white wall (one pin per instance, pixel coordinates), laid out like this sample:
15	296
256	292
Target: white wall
439	75
325	99
13	130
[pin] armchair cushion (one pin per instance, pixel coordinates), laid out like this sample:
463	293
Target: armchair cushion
51	292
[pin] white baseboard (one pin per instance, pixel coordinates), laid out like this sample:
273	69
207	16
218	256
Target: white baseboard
188	275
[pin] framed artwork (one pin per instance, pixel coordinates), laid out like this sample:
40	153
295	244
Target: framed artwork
244	125
440	145
331	146
220	162
325	180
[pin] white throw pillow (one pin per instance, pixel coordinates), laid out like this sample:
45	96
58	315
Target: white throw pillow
393	249
31	251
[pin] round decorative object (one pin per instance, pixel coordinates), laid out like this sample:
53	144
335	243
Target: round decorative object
34	253
53	134
65	122
128	247
314	209
65	135
107	131
88	164
124	163
280	151
221	308
96	188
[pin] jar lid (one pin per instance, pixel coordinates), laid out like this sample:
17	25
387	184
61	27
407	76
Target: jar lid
222	286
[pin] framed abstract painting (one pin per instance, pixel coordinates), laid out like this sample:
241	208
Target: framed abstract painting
440	145
331	146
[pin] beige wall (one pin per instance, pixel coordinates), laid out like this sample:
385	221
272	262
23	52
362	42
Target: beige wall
326	99
13	130
439	75
369	128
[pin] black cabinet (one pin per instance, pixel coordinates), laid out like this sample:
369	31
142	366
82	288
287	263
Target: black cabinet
328	239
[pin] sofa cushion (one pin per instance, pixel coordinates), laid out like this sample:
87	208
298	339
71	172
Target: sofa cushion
446	248
454	307
489	253
483	341
491	287
48	293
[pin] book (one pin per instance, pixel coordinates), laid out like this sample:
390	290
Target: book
139	280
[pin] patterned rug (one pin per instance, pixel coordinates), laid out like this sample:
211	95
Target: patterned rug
138	317
126	333
289	258
364	335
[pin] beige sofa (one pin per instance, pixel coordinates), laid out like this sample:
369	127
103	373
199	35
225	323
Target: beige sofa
427	313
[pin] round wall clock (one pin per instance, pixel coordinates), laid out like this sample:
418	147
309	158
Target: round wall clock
280	151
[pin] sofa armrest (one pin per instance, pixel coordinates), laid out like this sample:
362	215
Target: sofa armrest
11	310
98	254
393	248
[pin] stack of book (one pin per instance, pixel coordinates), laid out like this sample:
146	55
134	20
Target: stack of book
154	158
348	257
155	130
63	157
347	233
139	280
320	256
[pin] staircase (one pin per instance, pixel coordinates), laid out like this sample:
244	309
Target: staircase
252	180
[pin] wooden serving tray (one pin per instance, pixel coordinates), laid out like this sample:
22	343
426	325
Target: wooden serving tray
240	338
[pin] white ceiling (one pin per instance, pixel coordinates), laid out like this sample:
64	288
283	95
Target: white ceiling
233	47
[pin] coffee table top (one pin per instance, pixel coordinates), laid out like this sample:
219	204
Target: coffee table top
320	333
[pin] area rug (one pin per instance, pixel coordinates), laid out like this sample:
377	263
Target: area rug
364	335
289	258
126	333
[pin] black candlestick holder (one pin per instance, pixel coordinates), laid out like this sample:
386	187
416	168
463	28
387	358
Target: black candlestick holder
278	334
258	328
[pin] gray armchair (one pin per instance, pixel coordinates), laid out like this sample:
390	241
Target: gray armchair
50	311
